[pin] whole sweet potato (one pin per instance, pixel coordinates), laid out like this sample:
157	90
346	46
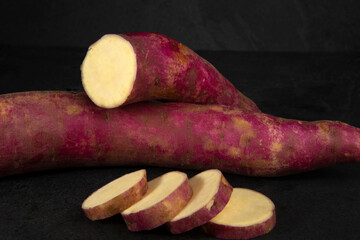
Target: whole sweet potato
133	67
44	130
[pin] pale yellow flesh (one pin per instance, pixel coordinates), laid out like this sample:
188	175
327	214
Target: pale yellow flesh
204	185
109	71
113	189
158	189
245	208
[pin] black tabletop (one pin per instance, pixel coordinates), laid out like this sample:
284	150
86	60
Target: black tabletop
321	204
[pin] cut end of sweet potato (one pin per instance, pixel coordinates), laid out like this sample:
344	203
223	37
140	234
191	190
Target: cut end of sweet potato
109	70
116	196
211	192
167	195
248	214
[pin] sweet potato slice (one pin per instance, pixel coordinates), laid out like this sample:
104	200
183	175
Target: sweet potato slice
167	195
248	214
116	196
211	192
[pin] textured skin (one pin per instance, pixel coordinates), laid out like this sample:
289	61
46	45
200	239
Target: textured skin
47	130
204	214
168	70
231	232
119	203
161	212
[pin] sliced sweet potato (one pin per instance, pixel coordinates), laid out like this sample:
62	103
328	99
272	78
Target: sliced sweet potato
248	214
116	196
211	192
167	195
125	68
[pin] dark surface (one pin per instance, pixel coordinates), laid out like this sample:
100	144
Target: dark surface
322	204
257	25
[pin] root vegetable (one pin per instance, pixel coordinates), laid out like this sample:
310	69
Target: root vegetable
47	130
211	192
167	195
116	196
127	68
248	214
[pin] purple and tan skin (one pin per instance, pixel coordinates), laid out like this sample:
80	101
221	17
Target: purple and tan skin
165	70
47	130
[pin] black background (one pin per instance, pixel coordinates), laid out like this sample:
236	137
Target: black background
257	25
295	59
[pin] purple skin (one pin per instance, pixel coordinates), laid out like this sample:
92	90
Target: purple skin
231	232
168	70
204	214
161	212
47	130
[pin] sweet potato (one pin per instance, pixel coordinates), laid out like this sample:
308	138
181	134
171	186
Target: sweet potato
248	214
116	196
167	195
127	68
44	130
211	192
